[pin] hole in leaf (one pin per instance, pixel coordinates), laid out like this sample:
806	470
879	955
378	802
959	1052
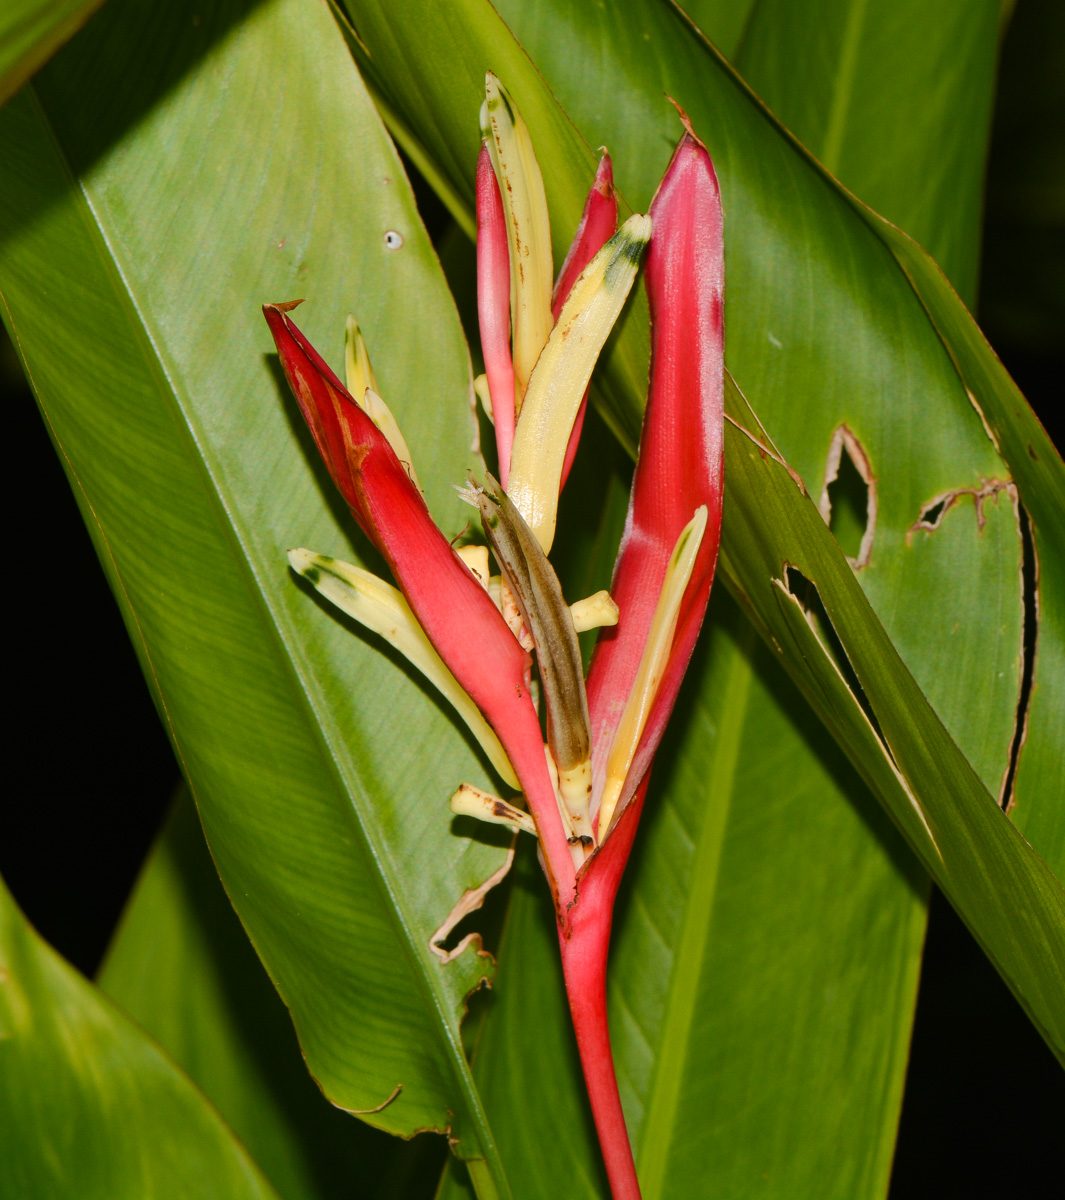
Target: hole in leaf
932	513
848	495
1030	596
848	498
486	922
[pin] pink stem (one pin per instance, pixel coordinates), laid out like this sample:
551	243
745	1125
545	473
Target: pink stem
584	958
584	938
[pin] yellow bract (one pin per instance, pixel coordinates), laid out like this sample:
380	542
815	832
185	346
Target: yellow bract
382	608
362	384
562	373
521	187
470	801
652	665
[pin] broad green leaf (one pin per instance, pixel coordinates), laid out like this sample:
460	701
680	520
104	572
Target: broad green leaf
169	176
940	206
31	31
1012	902
182	967
90	1107
1037	799
894	100
1037	803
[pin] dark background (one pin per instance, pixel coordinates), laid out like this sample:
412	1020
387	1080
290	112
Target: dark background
91	770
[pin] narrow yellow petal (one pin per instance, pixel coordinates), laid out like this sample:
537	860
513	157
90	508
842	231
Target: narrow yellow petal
593	612
575	788
470	801
476	558
652	666
357	364
562	373
480	387
528	227
362	385
381	415
381	608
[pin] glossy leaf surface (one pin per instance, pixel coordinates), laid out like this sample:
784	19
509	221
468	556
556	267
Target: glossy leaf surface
30	31
183	968
1011	900
944	168
186	457
881	97
90	1107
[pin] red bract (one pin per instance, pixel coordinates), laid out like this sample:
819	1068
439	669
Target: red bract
598	223
493	307
661	580
452	607
679	468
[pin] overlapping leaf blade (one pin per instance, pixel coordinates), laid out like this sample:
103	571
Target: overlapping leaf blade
1011	900
90	1107
1037	799
138	239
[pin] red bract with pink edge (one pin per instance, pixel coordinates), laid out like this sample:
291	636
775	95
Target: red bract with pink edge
478	635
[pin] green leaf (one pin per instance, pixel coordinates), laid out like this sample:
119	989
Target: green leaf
91	1108
31	31
1007	895
917	64
894	100
169	176
723	21
182	967
1037	469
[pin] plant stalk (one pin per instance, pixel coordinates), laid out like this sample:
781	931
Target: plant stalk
584	938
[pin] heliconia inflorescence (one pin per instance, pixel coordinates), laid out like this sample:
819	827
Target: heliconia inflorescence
475	635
